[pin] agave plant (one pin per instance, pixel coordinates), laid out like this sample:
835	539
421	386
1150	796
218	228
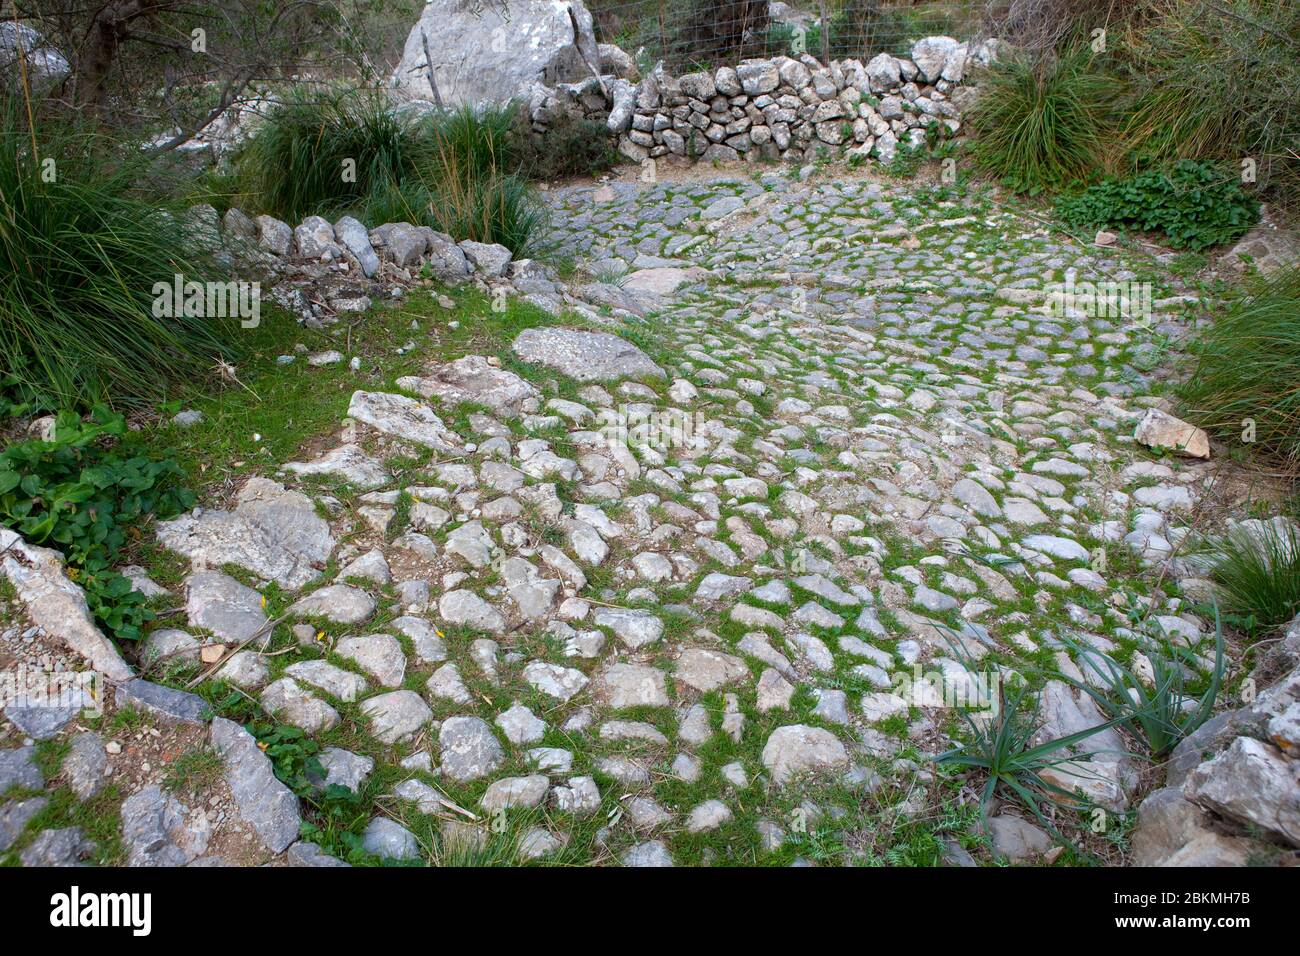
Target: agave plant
1000	745
1159	709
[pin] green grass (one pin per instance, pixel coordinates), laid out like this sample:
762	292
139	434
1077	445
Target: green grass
1043	125
1210	79
81	249
1256	569
350	151
1243	384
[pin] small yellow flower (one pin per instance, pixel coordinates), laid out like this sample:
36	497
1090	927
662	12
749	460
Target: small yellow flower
438	632
320	635
263	600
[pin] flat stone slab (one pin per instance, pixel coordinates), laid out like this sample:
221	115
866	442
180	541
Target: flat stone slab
265	803
585	356
56	604
166	702
220	604
663	280
347	462
798	749
402	417
274	533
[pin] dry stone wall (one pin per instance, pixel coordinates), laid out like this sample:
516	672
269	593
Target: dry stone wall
784	108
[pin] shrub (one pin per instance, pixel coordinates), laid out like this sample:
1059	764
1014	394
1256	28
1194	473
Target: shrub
80	253
1045	124
1256	568
1193	205
1246	369
449	170
572	146
73	495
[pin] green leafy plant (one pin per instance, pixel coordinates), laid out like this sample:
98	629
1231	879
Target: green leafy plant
1214	79
294	756
81	249
1046	123
1246	369
1193	205
74	495
1000	745
1157	709
1001	748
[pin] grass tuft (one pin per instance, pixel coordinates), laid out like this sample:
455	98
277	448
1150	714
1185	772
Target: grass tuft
80	253
1245	383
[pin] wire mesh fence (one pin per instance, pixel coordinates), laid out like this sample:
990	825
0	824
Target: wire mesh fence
696	34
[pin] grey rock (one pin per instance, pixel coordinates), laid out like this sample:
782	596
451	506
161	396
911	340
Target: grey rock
472	378
1017	839
263	801
584	356
650	853
389	840
84	765
356	238
635	628
347	462
57	605
1252	782
403	418
512	46
165	702
396	716
340	603
488	259
274	533
218	603
14	817
65	847
306	854
798	749
469	750
159	830
18	768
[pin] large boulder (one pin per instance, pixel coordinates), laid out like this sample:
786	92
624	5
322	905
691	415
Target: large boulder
22	48
491	53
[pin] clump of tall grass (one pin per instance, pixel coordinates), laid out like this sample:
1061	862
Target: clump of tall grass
1255	566
1041	124
453	170
80	253
1245	376
322	151
1216	79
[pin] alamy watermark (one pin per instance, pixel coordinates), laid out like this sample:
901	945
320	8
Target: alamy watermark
235	299
24	687
1107	299
646	427
949	690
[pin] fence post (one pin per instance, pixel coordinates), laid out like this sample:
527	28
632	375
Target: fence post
826	33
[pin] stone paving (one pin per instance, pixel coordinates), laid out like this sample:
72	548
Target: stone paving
859	445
